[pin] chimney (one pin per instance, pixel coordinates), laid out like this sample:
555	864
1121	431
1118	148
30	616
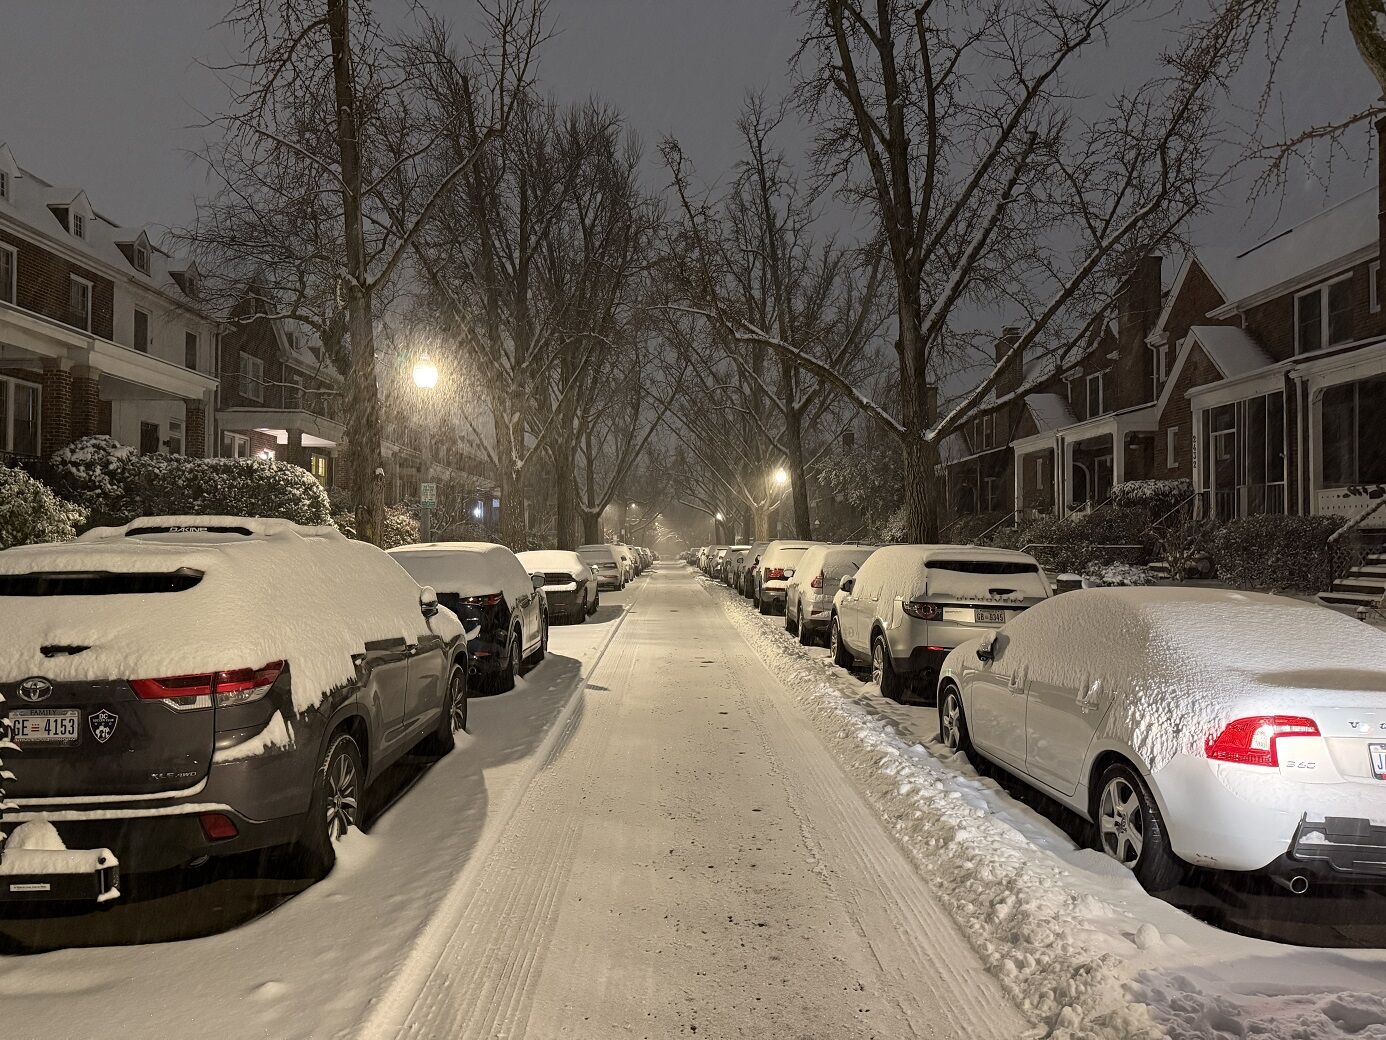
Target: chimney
1013	373
1138	308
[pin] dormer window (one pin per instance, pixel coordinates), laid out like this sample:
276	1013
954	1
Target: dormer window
79	225
141	257
4	184
190	281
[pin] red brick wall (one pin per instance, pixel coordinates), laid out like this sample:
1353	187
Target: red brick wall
195	432
42	285
1273	322
1197	371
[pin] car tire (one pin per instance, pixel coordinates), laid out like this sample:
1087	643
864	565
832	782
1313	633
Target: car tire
543	649
583	611
842	657
504	680
453	718
1141	846
805	636
596	603
764	605
952	722
792	627
883	672
338	789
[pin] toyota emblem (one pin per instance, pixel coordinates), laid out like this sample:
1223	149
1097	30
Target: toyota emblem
35	690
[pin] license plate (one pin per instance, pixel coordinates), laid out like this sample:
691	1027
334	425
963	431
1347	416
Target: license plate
990	617
1378	753
53	726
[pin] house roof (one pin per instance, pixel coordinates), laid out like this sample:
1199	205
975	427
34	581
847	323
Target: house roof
1231	349
30	203
1050	411
1295	256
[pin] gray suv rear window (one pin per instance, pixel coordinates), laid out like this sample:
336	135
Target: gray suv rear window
97	583
984	566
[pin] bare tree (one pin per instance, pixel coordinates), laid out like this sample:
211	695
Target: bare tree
322	137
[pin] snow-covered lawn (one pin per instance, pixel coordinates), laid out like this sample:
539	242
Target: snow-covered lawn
315	966
1078	944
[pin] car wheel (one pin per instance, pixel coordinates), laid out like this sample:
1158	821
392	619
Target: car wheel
952	723
883	672
583	611
543	650
597	602
505	680
335	806
763	604
790	625
805	635
452	720
842	657
1131	831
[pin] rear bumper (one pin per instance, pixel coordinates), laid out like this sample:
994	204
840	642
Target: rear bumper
144	843
568	602
1336	848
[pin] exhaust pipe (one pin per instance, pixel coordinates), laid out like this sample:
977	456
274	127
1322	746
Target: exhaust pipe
1297	884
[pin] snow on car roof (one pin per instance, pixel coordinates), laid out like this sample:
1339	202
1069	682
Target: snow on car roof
1189	660
539	560
306	595
905	571
465	568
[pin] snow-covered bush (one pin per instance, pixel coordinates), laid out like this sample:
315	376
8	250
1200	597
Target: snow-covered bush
1277	552
1158	497
30	512
1118	574
1081	541
116	484
400	528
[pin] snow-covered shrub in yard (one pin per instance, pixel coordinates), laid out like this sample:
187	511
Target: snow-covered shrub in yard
116	484
401	527
30	512
1158	497
1118	574
1276	552
1081	541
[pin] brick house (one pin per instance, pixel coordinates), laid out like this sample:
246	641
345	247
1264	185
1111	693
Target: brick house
100	330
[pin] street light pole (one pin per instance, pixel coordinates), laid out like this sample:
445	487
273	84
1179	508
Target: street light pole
426	378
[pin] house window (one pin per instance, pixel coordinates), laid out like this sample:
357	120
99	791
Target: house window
149	438
1172	448
141	337
141	257
79	303
79	225
9	267
235	446
190	350
989	431
317	465
1353	449
1094	395
252	377
1374	286
293	393
4	184
19	417
991	501
175	437
1323	316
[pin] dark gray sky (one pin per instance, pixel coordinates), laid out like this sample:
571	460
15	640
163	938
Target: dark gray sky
104	94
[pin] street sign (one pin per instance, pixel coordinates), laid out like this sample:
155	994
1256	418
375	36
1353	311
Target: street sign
428	495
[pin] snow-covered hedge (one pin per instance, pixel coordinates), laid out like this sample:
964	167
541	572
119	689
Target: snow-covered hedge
1080	542
1276	552
401	527
1157	496
116	484
30	512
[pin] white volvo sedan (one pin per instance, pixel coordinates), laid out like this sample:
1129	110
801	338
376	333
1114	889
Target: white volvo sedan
1193	726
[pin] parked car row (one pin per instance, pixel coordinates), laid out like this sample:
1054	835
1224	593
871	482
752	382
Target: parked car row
182	688
1191	727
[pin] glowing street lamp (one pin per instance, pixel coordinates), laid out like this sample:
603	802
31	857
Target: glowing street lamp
425	373
781	476
720	518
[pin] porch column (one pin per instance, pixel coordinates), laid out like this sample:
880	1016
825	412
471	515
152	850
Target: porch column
56	406
1018	481
86	401
195	429
1118	456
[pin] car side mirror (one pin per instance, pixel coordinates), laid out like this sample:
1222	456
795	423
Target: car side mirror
986	649
428	601
847	584
537	580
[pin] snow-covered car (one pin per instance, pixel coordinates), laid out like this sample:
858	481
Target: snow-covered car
192	686
734	564
1193	726
773	572
606	564
485	584
808	604
722	568
569	585
747	585
909	605
628	564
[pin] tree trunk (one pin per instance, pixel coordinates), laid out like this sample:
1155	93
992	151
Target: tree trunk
922	511
761	518
565	498
363	419
798	484
591	528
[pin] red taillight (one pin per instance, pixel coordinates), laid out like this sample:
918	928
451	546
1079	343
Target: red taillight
1252	741
774	573
817	582
923	611
485	601
232	687
217	826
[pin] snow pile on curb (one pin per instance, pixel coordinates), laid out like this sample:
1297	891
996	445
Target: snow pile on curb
1054	933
